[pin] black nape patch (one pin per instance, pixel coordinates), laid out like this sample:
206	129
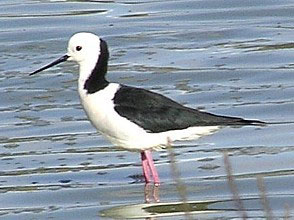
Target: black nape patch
97	80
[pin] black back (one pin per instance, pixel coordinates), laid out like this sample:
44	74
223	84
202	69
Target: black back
157	113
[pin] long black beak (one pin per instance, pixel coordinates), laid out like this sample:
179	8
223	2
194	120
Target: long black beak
60	60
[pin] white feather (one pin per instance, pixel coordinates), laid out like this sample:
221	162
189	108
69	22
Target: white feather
99	108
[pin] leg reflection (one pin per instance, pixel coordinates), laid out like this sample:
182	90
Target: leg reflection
151	193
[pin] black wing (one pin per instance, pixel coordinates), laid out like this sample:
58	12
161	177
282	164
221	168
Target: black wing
157	113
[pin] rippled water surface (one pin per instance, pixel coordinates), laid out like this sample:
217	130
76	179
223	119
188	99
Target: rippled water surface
230	57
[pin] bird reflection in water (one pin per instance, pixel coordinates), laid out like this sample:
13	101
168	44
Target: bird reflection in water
151	193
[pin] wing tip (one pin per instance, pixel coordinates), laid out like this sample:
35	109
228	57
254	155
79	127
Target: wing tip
253	122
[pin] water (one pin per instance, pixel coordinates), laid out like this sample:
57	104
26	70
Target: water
226	57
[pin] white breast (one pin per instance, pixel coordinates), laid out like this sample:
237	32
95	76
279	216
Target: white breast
99	108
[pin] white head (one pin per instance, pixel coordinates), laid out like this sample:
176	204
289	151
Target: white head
85	49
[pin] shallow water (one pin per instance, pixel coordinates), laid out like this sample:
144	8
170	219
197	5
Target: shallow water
226	57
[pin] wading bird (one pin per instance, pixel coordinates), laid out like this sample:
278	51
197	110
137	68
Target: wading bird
134	118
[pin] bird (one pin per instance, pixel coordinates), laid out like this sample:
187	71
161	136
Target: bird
134	118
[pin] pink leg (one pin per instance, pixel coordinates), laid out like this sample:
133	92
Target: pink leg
152	168
145	166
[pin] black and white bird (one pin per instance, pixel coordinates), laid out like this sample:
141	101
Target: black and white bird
134	118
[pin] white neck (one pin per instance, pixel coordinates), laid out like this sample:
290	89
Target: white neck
85	71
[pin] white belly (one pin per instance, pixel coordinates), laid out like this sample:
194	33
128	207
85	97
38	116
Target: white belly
123	133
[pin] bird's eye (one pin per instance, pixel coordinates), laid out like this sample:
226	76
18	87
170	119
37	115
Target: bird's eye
78	48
